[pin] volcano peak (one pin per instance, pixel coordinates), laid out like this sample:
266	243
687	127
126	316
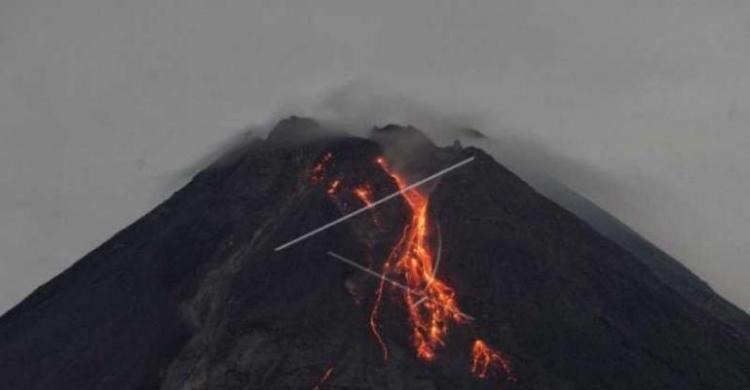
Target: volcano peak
197	295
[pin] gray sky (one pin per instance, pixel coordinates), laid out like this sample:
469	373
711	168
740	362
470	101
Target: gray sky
644	106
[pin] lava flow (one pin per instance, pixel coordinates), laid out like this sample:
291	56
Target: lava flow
432	311
431	303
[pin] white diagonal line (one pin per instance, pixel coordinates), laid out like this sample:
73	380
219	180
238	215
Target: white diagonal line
373	204
393	282
373	273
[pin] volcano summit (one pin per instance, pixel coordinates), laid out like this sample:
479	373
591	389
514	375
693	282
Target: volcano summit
469	280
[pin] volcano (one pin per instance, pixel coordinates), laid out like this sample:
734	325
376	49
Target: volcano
281	266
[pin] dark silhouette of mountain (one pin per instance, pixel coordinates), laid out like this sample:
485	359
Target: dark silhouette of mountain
662	264
194	296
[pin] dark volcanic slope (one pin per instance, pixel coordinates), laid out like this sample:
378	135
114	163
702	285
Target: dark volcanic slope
192	296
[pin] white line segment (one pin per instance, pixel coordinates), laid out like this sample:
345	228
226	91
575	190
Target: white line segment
373	273
373	204
393	282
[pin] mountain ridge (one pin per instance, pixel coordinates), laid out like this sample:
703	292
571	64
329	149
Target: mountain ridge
192	295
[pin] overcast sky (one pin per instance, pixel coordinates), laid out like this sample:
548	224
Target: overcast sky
643	106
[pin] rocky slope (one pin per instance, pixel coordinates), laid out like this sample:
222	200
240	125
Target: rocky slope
194	296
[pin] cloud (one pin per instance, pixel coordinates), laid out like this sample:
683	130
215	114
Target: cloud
106	107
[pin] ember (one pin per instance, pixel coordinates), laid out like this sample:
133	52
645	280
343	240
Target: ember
333	187
326	376
364	194
319	169
484	358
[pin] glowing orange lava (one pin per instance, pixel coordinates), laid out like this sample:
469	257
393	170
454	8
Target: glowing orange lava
364	194
432	311
333	187
431	303
326	375
484	358
319	168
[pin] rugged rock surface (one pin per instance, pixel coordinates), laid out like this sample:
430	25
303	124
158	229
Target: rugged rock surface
193	295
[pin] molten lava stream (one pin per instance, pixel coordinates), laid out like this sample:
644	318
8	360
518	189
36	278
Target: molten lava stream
431	303
412	258
432	311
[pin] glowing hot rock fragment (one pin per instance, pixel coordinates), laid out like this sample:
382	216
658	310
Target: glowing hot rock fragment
319	169
364	194
431	303
333	187
484	359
